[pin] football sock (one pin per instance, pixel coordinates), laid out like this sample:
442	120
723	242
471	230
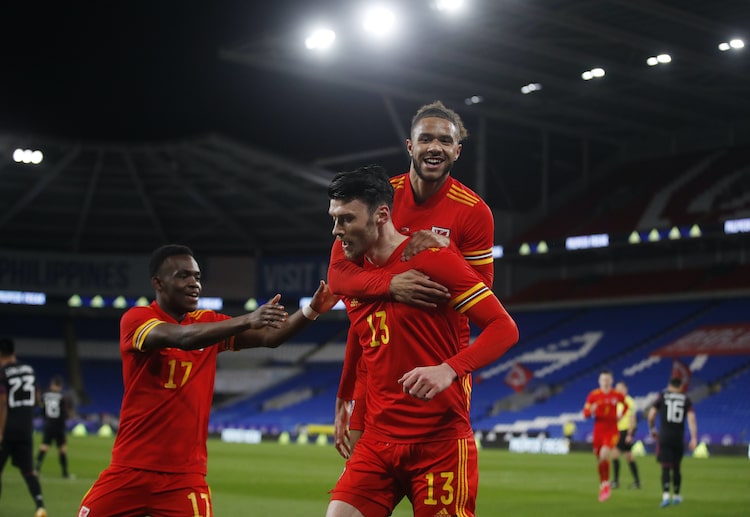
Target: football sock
634	470
604	470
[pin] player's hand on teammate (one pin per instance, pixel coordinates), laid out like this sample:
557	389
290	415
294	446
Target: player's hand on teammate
422	240
341	428
425	382
415	288
323	300
270	314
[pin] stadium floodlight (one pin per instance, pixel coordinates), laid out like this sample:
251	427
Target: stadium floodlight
525	249
497	252
733	44
695	231
379	21
320	39
634	238
474	99
97	302
75	301
674	233
542	247
530	88
654	235
34	157
141	302
594	73
661	59
251	304
120	302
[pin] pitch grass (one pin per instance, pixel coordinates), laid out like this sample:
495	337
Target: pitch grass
293	481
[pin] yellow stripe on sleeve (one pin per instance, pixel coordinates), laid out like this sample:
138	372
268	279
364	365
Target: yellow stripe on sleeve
470	297
141	332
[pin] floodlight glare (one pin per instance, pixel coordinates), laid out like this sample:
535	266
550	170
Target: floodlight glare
664	58
18	155
597	72
379	21
320	39
587	75
737	43
448	5
724	46
652	61
36	157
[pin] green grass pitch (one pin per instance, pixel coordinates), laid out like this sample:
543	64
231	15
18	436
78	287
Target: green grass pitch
293	481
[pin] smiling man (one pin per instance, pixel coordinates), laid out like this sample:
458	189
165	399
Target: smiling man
418	441
434	209
169	351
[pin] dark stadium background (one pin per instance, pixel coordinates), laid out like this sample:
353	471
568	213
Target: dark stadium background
208	124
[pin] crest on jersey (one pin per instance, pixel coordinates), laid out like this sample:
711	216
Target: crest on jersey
441	231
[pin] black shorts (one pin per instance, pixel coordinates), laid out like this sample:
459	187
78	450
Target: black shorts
21	454
670	453
54	434
622	443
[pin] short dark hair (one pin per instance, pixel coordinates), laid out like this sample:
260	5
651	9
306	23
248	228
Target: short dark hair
7	347
370	184
439	110
56	380
675	382
606	371
161	254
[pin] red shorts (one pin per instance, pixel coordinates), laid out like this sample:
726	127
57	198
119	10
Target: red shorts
122	491
605	437
439	478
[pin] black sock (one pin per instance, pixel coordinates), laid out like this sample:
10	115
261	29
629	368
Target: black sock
40	459
634	470
64	463
616	466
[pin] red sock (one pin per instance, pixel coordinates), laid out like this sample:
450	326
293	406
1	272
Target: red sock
604	470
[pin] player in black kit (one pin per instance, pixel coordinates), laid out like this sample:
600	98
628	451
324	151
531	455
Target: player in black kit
18	398
673	408
56	406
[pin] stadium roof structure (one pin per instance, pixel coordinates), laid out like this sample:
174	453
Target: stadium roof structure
215	127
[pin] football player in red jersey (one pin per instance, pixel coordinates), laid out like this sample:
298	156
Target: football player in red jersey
418	441
601	404
169	351
434	209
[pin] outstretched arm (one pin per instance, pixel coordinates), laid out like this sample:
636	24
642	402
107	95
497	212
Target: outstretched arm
411	287
274	335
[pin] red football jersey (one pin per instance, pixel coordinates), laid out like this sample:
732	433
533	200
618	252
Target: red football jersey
454	211
603	407
395	338
168	394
